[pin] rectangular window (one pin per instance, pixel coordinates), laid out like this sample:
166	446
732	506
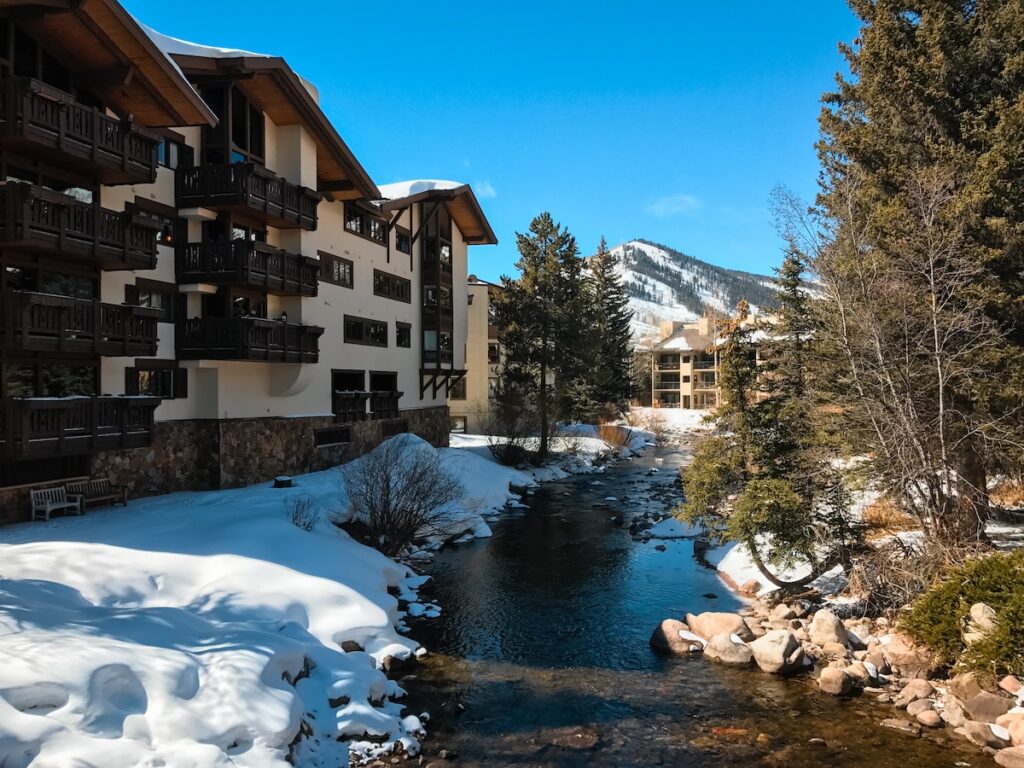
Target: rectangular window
154	294
392	286
383	381
365	224
403	335
493	353
332	436
403	240
458	424
360	330
156	378
169	153
170	225
458	390
430	297
335	269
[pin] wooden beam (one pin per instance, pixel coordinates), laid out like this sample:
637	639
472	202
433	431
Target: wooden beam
423	223
115	77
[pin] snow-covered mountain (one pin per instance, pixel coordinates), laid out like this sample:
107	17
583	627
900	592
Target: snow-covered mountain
665	284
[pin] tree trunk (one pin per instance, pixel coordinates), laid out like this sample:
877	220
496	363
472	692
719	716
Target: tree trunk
543	406
972	504
817	569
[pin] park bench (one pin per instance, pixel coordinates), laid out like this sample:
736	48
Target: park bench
99	490
57	499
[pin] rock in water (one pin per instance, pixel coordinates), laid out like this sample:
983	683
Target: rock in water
912	691
929	718
711	623
778	652
723	649
986	707
827	628
666	638
983	734
835	681
899	724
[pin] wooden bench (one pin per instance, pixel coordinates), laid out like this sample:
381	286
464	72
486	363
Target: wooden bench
48	500
99	489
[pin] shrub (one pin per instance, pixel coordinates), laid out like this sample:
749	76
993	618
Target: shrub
302	512
510	435
936	618
401	493
616	435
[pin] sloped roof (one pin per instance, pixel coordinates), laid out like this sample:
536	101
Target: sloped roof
458	198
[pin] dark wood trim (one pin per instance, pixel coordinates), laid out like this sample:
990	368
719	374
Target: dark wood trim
366	321
394	281
146	205
327	274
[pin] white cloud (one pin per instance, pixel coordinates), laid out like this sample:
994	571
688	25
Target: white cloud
674	205
485	189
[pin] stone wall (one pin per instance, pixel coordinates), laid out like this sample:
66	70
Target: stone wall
201	455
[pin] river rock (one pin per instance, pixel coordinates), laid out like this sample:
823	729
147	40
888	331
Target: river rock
725	650
666	638
860	672
778	652
1016	731
965	686
835	681
750	587
929	718
914	690
980	622
915	708
1011	685
827	628
909	659
984	735
711	623
1010	717
783	612
1013	757
754	626
834	650
899	724
953	712
986	707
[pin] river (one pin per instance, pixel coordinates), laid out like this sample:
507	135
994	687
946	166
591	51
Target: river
541	656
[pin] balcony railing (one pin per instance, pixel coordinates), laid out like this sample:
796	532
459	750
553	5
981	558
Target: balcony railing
247	338
384	404
349	406
47	123
433	356
42	322
704	365
668	366
248	263
59	426
708	383
33	218
249	188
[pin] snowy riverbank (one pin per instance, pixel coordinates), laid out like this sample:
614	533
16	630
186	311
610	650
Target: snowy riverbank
206	629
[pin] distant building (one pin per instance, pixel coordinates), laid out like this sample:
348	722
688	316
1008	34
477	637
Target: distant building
470	398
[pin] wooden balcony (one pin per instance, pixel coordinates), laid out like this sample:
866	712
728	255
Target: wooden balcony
250	189
384	404
247	338
248	263
349	406
47	124
42	322
60	426
39	220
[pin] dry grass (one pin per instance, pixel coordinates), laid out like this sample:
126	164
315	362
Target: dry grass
884	518
615	434
1008	493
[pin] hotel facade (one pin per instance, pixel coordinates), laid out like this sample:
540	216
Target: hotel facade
201	286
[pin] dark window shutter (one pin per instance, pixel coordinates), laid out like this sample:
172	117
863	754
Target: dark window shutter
179	308
131	381
131	294
181	382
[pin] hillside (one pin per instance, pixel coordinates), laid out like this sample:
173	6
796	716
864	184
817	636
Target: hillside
665	284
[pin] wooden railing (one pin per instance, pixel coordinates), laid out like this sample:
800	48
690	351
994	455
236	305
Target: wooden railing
36	218
349	406
247	338
250	187
59	426
49	122
244	262
384	404
42	322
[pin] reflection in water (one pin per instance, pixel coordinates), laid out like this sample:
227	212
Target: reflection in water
540	657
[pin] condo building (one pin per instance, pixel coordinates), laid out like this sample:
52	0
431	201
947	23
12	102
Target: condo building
471	397
685	366
201	286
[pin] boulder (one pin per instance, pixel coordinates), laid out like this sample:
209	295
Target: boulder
666	638
980	622
835	681
783	612
914	690
915	708
986	707
750	587
983	734
1012	757
778	652
834	650
725	650
711	623
1010	717
899	724
860	673
1016	731
1011	685
826	628
929	718
910	659
953	712
965	686
754	625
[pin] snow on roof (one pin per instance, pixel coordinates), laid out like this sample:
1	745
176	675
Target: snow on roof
677	343
402	189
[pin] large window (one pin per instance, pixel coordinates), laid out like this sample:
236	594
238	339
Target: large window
335	269
392	286
29	379
154	294
359	330
157	378
403	240
170	224
238	135
458	390
403	335
361	222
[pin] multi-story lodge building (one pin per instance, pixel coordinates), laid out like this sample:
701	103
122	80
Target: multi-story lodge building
470	398
201	285
685	366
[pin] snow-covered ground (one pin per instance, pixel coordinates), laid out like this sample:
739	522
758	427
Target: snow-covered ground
206	629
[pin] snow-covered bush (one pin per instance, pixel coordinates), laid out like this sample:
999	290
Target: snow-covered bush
401	492
302	512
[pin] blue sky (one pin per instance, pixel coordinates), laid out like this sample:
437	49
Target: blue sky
667	120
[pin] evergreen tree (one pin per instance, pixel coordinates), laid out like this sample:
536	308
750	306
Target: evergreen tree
613	369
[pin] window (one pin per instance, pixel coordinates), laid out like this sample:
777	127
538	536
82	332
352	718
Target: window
392	286
365	224
166	216
359	330
493	353
157	378
403	240
49	380
169	153
238	135
334	269
458	424
332	436
383	381
155	294
492	389
458	390
403	335
430	297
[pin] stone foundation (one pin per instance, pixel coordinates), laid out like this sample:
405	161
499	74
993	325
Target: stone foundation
207	454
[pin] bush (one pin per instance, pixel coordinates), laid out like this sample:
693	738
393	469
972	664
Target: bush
936	618
401	493
302	512
616	435
510	435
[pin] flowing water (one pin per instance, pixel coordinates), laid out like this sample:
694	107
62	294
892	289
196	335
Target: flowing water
541	656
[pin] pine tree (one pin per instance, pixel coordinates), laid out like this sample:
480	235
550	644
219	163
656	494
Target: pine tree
613	369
